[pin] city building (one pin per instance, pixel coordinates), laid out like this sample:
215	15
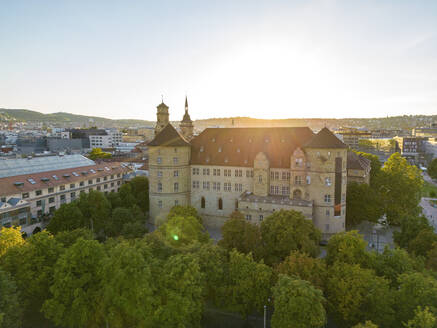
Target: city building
352	136
39	186
358	168
256	171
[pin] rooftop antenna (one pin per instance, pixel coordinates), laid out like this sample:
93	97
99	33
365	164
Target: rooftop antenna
162	98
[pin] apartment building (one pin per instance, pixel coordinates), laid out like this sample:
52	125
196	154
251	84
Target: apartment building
40	186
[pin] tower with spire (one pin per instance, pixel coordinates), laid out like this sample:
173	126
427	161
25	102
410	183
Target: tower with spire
186	124
162	117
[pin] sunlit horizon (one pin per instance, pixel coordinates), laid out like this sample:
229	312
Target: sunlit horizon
267	60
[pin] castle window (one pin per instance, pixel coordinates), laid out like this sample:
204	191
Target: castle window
236	204
260	178
176	187
249	174
159	174
327	198
261	217
238	150
329	153
159	187
175	150
220	149
202	202
205	185
175	160
297	194
201	149
176	173
159	160
220	204
276	175
298	162
248	217
327	212
160	203
285	190
205	171
176	202
227	186
308	179
195	184
328	181
298	180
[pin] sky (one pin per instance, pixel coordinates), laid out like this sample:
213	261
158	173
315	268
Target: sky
263	59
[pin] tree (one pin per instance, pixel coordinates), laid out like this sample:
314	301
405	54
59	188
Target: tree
32	266
284	231
432	169
115	200
181	231
410	226
128	292
422	243
126	195
355	294
10	308
304	267
363	204
247	284
96	208
298	304
415	289
348	247
184	211
367	324
68	238
97	153
431	263
68	217
244	236
140	190
179	283
394	262
423	318
400	186
10	237
76	286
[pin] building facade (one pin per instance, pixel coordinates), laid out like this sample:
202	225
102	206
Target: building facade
256	171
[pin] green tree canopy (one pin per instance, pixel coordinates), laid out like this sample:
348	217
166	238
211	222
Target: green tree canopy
298	304
10	237
32	267
97	153
432	169
68	238
355	294
285	231
244	236
140	190
10	308
363	204
399	186
375	166
415	289
423	318
68	217
423	242
348	247
181	231
96	209
367	324
410	227
76	286
248	284
184	211
304	267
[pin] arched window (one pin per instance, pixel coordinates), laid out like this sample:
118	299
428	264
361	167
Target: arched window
220	204
202	202
297	194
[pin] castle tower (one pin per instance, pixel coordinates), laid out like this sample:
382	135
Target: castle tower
186	123
327	178
169	173
161	117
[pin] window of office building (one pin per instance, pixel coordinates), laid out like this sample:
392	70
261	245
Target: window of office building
51	199
38	192
62	187
38	203
51	189
72	186
25	195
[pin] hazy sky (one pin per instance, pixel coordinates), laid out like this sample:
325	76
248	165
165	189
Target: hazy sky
266	59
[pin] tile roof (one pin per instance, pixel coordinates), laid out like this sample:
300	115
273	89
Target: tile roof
357	162
43	180
239	146
325	139
169	137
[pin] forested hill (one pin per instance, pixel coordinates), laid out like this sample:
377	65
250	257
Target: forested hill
25	115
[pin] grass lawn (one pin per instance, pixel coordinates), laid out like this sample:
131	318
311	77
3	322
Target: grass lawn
427	188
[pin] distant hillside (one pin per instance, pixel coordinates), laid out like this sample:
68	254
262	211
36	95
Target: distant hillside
25	115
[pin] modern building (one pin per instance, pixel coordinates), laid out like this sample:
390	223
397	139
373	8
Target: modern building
44	184
352	136
256	171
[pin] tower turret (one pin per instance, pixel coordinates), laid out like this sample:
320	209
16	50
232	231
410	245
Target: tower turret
162	117
186	123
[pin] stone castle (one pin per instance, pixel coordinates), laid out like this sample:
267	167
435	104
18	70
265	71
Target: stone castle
253	170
